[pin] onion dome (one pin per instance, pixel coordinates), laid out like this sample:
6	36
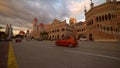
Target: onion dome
41	24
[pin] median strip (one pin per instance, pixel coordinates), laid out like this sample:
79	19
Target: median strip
11	57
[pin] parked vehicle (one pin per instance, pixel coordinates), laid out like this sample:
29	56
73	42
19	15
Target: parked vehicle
28	39
83	38
70	41
18	39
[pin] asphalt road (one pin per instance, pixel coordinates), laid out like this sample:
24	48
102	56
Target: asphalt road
88	54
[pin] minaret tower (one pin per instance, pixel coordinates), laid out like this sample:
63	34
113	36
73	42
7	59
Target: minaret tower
7	30
35	25
10	36
85	10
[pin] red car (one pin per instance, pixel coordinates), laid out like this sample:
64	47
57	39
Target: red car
18	40
70	41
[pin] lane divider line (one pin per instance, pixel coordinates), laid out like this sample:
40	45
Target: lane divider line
99	55
11	57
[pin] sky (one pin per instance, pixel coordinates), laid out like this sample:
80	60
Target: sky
20	13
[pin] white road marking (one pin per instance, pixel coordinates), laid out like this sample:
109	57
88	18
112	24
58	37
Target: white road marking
99	55
47	46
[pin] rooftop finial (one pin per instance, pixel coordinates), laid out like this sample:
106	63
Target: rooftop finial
85	10
92	4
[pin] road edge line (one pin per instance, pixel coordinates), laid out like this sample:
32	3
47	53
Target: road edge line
12	63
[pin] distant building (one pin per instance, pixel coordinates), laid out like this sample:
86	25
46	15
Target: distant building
59	29
80	29
55	30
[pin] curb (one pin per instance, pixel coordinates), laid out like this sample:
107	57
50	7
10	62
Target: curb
11	57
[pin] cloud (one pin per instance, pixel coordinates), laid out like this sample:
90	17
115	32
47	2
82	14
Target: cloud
75	7
44	10
20	13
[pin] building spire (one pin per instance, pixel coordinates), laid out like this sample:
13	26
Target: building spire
92	4
35	21
85	10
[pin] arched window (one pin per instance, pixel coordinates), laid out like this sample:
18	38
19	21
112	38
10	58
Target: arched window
106	17
57	30
63	29
107	28
111	28
116	30
109	16
53	31
102	18
57	36
97	19
53	36
104	28
98	25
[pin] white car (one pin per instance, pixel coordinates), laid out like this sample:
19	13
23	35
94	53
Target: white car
83	38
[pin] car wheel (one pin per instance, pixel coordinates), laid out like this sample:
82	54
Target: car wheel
70	45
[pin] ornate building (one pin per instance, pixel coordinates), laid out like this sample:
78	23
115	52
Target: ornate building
102	21
60	29
56	30
37	29
80	29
